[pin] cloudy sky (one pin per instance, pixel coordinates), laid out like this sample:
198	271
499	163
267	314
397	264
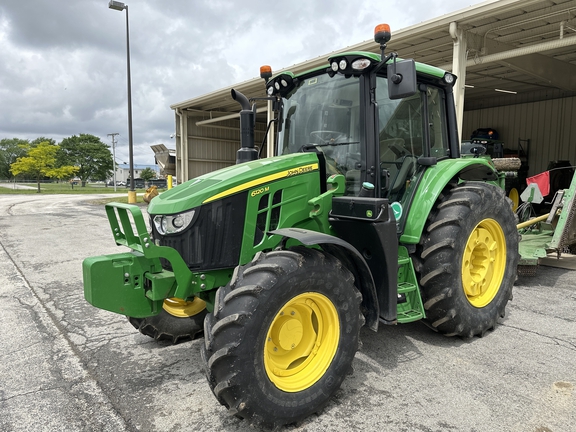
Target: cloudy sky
63	63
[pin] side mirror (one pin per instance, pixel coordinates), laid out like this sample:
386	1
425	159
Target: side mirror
402	79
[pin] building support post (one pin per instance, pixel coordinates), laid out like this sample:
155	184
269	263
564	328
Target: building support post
270	139
459	55
182	147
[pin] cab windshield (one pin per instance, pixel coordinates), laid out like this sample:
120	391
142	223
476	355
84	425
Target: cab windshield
323	114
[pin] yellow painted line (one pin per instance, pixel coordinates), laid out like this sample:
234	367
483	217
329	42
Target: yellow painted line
276	176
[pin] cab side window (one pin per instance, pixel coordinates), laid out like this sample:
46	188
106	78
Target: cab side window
437	123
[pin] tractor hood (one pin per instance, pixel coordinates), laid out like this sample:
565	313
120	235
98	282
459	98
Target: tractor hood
231	180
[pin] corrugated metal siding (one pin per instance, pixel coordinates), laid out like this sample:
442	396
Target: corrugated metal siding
549	125
212	147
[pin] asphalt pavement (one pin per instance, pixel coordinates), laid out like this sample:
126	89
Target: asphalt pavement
67	366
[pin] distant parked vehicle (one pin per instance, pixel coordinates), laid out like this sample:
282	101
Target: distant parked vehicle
120	183
159	183
138	183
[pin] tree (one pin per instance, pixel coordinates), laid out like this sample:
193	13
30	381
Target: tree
92	157
40	162
39	140
147	174
10	150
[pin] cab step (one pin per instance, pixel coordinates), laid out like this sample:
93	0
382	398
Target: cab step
409	307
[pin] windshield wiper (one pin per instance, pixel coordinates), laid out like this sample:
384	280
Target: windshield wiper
313	146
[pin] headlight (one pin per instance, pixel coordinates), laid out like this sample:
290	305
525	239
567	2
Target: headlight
171	224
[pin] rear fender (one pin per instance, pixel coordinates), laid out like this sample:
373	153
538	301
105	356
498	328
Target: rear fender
434	180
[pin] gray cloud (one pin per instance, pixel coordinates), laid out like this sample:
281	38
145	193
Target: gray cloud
63	69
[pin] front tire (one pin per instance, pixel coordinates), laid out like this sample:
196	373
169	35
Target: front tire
469	256
178	321
282	336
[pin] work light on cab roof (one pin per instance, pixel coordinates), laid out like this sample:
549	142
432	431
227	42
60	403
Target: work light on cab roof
282	84
349	64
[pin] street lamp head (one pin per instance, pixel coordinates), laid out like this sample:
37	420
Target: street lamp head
116	5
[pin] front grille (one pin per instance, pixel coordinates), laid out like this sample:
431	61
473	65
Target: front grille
214	239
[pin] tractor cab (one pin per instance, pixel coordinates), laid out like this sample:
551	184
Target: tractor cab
377	120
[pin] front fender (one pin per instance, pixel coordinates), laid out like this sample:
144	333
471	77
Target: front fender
433	181
343	251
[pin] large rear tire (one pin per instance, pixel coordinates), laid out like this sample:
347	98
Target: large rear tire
178	321
468	255
282	336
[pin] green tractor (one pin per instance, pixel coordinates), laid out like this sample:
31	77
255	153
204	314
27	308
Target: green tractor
368	215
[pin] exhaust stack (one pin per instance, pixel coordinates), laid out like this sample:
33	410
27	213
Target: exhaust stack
247	152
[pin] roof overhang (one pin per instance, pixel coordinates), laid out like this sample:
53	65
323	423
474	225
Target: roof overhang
519	46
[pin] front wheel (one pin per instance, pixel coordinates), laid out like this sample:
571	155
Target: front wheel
178	321
469	255
282	336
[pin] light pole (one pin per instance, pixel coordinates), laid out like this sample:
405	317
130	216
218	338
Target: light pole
119	6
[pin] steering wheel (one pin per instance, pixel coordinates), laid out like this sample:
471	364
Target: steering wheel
326	136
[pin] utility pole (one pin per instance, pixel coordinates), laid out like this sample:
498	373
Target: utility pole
113	135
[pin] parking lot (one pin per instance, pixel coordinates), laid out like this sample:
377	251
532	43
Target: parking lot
67	366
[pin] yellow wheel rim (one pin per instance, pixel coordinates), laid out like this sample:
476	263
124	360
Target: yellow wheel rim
301	342
513	195
182	308
484	263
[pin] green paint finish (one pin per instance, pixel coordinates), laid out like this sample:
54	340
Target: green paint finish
322	204
411	308
283	184
430	70
129	229
117	283
534	245
280	204
421	68
434	179
539	239
228	181
563	233
134	283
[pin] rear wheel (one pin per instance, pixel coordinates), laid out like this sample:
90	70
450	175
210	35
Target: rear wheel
515	198
469	256
178	321
283	336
